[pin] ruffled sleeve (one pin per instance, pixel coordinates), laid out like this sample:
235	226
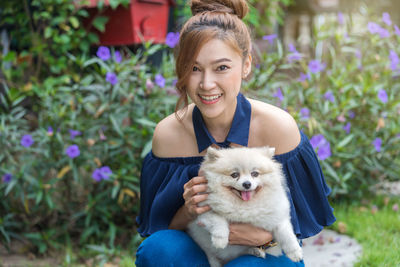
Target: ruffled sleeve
161	189
308	191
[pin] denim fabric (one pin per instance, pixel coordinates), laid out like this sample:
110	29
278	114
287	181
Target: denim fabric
172	248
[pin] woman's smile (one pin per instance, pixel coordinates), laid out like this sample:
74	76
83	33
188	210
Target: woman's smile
210	99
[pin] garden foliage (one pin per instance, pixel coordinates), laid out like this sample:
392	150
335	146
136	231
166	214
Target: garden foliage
75	124
344	95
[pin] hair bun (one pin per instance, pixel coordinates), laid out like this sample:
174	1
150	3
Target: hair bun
236	7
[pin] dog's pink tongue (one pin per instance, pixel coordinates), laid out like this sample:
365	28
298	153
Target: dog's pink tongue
246	195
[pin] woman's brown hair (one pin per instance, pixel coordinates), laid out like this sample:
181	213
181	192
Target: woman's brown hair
221	19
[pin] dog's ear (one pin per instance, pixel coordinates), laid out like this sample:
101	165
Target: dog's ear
268	151
212	154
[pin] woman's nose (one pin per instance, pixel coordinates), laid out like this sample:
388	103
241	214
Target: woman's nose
207	81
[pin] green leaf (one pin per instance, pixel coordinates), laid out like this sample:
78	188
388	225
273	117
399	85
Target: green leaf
10	56
116	126
6	236
146	122
146	149
100	23
48	32
74	22
345	141
39	197
114	3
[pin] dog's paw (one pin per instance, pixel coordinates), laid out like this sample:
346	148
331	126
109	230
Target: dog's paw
219	241
258	252
295	255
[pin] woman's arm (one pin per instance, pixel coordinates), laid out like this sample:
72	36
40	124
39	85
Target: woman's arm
248	235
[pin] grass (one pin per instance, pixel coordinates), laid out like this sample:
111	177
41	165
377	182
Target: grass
375	224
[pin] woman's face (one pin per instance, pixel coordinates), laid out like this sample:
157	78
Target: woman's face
216	79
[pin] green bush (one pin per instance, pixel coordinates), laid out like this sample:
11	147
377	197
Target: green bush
345	97
77	172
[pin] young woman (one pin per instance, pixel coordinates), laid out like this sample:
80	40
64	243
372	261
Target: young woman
214	55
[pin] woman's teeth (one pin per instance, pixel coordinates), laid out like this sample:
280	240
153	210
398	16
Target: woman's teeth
210	98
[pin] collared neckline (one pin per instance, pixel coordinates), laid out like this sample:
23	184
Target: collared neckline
238	133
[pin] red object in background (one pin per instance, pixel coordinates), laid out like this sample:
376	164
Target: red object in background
142	20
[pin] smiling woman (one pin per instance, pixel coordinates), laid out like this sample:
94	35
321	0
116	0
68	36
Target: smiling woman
213	57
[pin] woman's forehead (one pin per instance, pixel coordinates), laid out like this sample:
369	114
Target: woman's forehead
216	51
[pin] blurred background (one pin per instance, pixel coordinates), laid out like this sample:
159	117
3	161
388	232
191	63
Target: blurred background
83	84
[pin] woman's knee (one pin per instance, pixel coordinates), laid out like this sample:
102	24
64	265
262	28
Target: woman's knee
171	247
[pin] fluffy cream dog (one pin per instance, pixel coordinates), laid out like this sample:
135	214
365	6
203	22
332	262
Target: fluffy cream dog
245	186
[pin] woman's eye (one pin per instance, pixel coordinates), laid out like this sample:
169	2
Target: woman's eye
235	175
223	67
254	174
195	68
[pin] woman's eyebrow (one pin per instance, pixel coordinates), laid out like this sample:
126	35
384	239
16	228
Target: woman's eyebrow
216	61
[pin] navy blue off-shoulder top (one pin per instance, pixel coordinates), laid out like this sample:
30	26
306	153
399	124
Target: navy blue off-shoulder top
162	179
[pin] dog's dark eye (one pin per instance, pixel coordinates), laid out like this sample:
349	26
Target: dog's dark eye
235	175
254	174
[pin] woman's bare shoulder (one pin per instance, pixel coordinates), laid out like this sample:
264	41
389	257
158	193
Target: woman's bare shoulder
272	126
175	138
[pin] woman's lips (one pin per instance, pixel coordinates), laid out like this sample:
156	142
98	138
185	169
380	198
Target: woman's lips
209	99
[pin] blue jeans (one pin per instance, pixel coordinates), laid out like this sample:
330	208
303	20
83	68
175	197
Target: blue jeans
172	248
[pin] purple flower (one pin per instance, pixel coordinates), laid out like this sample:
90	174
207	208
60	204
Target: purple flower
27	140
382	95
96	175
324	151
305	113
105	172
103	53
292	48
395	207
172	39
373	27
294	57
102	136
396	30
304	76
340	18
352	114
111	78
329	96
72	151
394	60
102	173
7	178
159	80
50	131
358	54
316	66
386	18
270	38
74	133
117	57
377	144
383	33
347	127
174	81
149	84
317	141
279	94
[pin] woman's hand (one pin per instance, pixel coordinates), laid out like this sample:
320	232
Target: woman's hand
195	191
248	235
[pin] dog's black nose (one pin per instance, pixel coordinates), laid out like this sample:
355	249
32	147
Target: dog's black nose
246	185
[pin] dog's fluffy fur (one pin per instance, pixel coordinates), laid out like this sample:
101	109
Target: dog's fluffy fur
245	186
